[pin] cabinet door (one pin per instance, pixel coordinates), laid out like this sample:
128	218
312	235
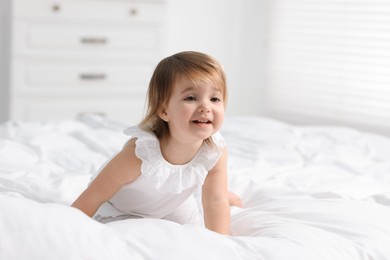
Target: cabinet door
126	109
150	11
86	41
92	78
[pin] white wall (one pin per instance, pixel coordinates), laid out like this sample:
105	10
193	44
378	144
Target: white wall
229	30
3	59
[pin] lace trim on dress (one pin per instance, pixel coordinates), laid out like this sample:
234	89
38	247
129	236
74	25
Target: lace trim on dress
171	178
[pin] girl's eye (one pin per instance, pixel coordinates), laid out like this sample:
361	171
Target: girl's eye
215	99
190	98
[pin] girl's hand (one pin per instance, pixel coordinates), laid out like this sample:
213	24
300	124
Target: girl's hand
234	200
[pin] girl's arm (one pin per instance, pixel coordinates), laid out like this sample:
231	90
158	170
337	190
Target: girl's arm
215	198
122	169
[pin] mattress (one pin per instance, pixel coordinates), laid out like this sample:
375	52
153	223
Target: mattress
308	192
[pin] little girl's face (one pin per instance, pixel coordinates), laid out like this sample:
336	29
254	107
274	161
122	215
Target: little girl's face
194	111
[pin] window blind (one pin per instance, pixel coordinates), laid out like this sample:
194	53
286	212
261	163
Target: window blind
329	61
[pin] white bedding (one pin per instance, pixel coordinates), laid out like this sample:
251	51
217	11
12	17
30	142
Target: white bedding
308	193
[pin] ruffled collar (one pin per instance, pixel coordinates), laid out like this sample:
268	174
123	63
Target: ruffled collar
167	177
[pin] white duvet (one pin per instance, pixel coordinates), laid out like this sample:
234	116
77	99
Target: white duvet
308	193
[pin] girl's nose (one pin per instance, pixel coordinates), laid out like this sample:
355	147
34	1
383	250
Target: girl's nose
203	108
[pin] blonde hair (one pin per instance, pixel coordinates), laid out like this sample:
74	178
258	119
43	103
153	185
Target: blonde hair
195	66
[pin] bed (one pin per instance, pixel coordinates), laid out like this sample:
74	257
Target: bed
317	192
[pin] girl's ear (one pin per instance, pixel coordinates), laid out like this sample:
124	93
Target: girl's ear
163	114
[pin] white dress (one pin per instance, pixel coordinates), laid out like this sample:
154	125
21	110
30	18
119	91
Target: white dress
163	190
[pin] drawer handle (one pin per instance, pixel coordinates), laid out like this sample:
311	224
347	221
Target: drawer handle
92	76
88	115
93	40
56	8
133	12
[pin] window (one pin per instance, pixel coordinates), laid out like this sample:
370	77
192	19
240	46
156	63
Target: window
329	62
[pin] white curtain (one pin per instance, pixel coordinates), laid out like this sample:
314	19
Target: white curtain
329	62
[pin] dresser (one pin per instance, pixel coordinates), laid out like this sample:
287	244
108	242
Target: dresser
71	57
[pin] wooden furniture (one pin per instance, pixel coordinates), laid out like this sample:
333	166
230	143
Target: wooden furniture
65	58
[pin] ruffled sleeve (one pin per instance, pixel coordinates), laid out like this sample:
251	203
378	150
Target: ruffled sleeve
211	153
167	177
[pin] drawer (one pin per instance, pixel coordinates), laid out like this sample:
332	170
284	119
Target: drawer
105	10
124	109
80	76
86	40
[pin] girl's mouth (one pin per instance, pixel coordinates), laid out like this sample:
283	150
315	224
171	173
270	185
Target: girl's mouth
201	122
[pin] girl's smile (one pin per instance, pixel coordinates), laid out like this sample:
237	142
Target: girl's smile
202	122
